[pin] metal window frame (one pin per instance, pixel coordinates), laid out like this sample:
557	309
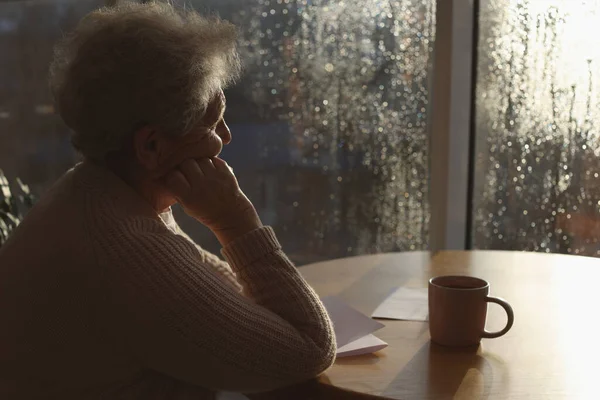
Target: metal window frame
451	124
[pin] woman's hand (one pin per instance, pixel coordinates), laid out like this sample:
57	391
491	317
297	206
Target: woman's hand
208	191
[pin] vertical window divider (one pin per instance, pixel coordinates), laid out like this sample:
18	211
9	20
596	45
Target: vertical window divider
451	125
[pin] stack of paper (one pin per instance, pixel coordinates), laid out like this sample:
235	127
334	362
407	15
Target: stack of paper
365	345
405	304
353	330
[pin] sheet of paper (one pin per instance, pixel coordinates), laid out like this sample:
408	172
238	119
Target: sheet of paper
349	324
405	304
364	345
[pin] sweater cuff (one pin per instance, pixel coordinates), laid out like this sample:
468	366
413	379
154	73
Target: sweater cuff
251	247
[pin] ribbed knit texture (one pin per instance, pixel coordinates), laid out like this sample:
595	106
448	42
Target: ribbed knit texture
100	299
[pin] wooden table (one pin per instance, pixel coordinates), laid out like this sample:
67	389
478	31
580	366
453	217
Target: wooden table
552	351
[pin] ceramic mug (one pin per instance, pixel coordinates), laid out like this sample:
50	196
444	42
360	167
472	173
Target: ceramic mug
458	310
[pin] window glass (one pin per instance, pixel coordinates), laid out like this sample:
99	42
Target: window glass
537	161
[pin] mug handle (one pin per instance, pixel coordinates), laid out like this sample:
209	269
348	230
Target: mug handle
509	314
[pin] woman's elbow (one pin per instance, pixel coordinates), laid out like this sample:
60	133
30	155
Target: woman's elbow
321	358
307	364
326	359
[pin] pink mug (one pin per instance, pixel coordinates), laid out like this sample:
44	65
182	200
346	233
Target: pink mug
458	309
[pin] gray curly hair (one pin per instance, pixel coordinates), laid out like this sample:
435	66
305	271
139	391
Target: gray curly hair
133	65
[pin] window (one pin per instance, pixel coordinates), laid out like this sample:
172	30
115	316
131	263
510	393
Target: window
331	120
537	166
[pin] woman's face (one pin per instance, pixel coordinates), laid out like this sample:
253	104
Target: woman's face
205	140
213	127
158	154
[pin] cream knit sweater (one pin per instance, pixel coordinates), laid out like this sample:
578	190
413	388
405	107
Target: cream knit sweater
99	298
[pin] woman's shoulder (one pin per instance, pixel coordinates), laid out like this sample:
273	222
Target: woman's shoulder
127	241
109	203
118	220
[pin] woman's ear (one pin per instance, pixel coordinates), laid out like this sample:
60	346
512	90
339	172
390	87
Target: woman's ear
147	147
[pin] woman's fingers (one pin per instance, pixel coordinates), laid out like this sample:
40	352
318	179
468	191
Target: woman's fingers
190	178
205	146
221	165
177	158
191	170
177	184
207	167
189	175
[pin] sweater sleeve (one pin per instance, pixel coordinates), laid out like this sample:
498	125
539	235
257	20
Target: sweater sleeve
213	260
175	315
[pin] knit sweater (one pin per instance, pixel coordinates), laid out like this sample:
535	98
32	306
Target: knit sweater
99	298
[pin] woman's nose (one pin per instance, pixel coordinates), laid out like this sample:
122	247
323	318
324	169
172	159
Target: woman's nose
223	131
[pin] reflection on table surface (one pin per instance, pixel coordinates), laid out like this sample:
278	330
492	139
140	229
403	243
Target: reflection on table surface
546	355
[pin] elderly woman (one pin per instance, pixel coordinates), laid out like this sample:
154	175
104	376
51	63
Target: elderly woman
101	294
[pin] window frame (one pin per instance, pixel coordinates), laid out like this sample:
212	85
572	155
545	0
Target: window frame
452	129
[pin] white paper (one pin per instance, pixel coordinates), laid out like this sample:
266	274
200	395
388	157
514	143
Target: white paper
364	345
352	329
405	304
349	324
